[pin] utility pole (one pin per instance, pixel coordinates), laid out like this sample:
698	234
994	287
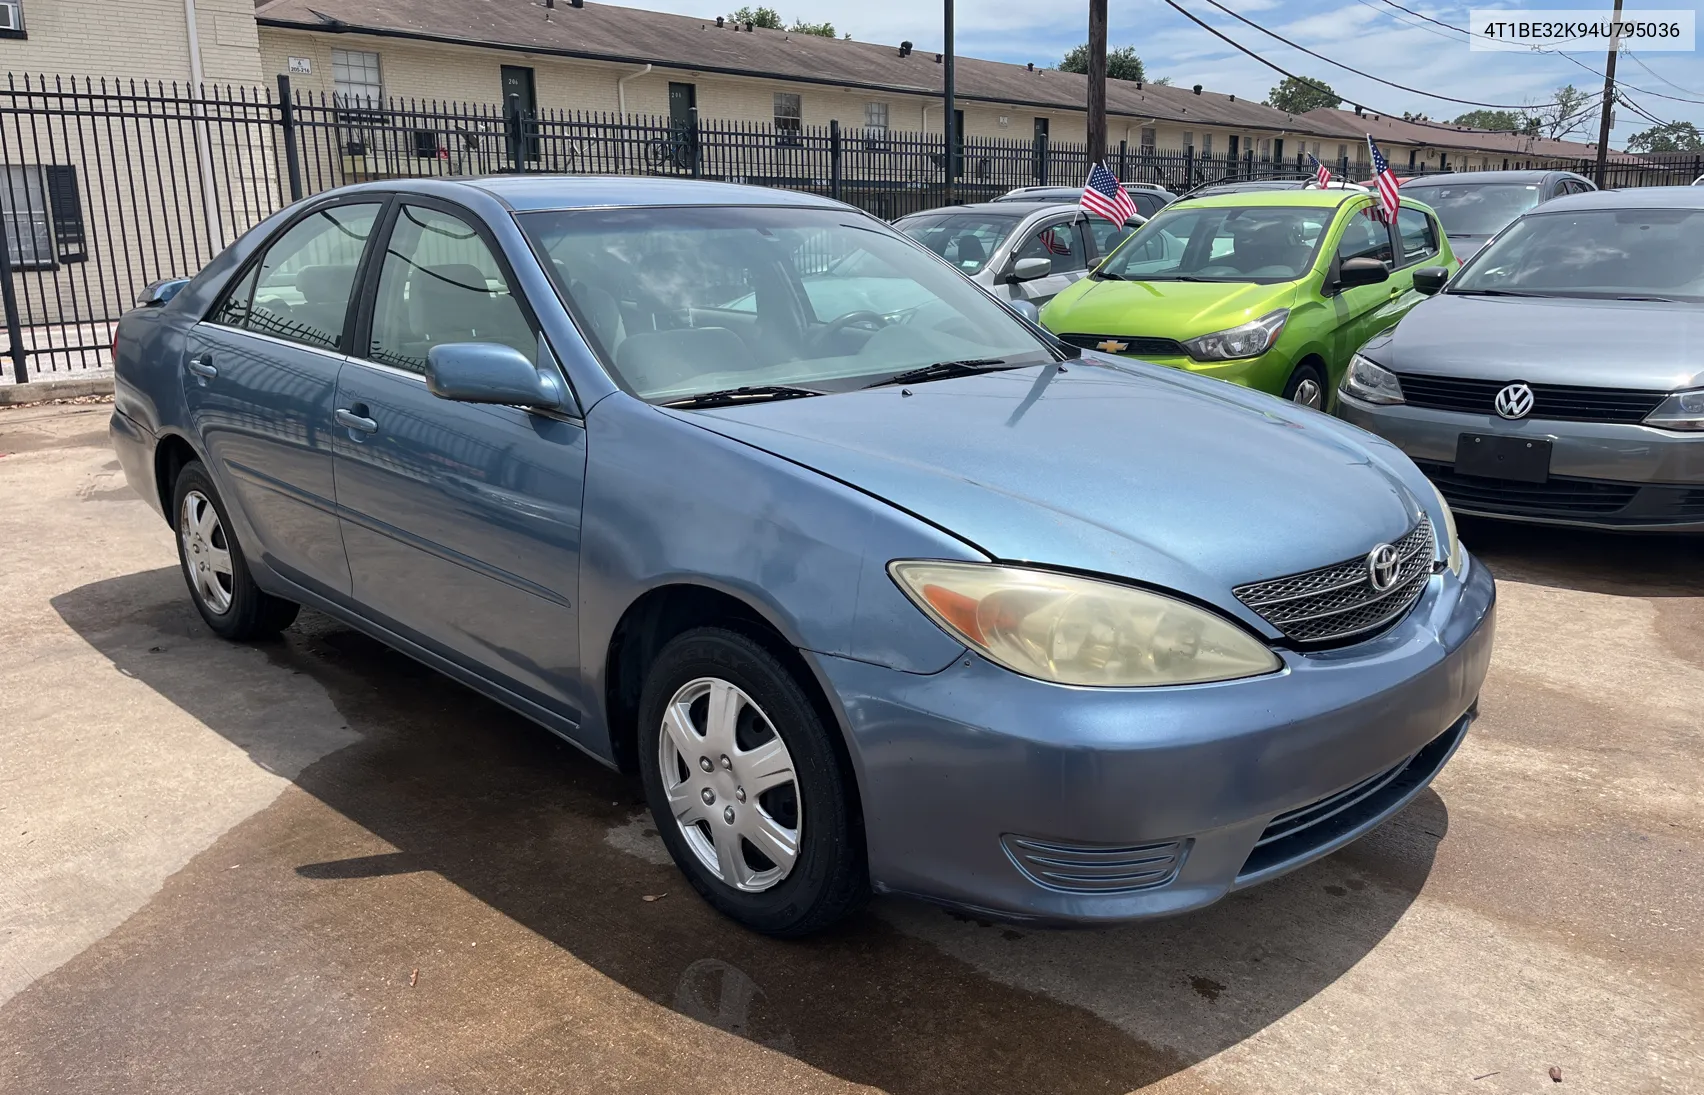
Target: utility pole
1608	102
949	116
1097	81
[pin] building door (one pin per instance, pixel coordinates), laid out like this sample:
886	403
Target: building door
1233	145
518	82
683	121
1040	166
1277	150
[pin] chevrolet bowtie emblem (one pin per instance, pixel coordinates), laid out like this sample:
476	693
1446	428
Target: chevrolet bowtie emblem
1112	346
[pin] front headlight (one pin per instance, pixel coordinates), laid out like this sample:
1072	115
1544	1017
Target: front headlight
1371	382
1449	545
1071	630
1249	340
1680	411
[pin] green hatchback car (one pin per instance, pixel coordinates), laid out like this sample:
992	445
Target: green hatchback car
1272	290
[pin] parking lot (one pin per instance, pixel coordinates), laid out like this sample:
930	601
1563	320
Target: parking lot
314	865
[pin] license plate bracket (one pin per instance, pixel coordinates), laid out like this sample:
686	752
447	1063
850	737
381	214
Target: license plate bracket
1498	456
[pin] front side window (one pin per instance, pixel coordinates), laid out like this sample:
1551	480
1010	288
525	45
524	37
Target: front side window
355	78
302	285
967	240
789	113
1416	234
439	283
1058	242
1648	254
875	115
1365	236
687	300
1264	244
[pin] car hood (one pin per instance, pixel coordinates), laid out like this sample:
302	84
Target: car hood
1104	466
1161	309
1607	343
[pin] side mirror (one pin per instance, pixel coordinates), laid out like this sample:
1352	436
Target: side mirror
1024	309
1430	279
489	372
1362	271
157	293
1030	269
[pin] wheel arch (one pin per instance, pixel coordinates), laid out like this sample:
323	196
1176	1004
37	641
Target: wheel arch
171	453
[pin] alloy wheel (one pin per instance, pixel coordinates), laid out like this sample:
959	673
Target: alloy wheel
1309	393
206	552
730	784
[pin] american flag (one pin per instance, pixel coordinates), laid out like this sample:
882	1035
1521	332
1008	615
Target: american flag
1389	199
1103	196
1322	173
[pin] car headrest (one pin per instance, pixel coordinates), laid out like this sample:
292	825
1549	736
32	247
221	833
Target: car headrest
325	284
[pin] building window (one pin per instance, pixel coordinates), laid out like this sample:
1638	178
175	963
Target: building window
789	115
1188	140
875	115
1206	144
12	19
1148	138
1266	148
42	214
355	78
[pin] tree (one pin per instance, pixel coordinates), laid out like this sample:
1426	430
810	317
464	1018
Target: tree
1161	81
1298	96
767	18
1673	137
1508	121
821	30
1121	64
1569	112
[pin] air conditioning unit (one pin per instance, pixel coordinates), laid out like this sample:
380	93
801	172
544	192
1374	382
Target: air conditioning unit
11	15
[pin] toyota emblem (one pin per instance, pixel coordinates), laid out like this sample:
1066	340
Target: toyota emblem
1383	564
1515	401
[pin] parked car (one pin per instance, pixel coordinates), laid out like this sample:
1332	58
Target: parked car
1018	250
1150	198
1556	379
1476	205
915	602
1271	289
1252	186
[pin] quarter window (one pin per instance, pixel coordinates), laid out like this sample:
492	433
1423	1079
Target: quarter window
301	288
1418	235
440	283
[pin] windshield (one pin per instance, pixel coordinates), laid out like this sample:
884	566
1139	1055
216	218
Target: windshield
1610	253
1476	209
966	240
1221	243
685	301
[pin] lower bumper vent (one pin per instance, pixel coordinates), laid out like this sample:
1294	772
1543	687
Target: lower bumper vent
1095	868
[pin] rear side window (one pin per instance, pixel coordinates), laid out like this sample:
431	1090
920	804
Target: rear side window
1365	237
440	283
302	285
1417	234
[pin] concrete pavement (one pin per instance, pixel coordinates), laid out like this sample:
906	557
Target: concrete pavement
312	862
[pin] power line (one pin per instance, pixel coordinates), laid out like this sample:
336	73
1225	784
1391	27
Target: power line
1634	57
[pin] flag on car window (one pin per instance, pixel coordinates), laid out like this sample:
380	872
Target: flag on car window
1322	173
1386	182
1104	197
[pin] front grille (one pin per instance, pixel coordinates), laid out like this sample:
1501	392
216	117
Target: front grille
1134	346
1556	497
1339	601
1095	868
1556	402
1301	833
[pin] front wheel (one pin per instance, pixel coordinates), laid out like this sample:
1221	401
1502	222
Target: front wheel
213	565
1307	386
746	787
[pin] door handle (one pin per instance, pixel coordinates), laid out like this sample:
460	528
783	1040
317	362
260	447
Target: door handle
355	422
203	366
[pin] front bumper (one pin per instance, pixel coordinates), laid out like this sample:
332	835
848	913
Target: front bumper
966	772
1603	474
1267	373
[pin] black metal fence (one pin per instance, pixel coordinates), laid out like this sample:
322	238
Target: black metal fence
106	185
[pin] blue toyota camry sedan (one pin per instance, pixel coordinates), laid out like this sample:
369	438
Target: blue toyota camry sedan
873	584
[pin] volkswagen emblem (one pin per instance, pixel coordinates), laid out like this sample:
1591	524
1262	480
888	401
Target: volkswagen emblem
1383	563
1515	401
1112	346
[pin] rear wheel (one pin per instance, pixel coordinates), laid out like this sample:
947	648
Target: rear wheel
1307	386
213	564
746	786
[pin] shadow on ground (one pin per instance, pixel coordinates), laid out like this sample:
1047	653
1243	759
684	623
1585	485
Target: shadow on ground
1619	563
521	822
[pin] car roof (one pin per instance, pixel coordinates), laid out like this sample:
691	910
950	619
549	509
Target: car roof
1634	197
1325	199
1016	209
1531	175
526	193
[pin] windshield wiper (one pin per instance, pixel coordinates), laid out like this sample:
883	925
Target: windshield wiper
751	393
1496	293
1107	275
941	370
1656	300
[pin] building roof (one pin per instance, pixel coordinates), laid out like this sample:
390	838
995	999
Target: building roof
1346	123
607	33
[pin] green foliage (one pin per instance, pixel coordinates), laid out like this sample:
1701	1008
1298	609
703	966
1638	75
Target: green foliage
768	18
1121	64
1299	96
821	30
1673	137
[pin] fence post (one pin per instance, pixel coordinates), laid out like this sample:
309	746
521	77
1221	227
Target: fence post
1189	164
512	128
9	296
692	136
834	158
287	133
1041	164
1124	161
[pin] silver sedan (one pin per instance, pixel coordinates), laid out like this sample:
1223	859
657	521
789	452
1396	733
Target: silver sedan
1019	251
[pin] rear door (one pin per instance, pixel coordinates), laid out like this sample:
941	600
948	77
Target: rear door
260	378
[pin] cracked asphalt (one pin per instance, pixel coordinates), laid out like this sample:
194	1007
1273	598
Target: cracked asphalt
314	865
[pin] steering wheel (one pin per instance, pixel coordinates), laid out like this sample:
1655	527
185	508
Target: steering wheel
874	321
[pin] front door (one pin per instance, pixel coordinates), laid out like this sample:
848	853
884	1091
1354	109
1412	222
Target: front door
518	82
1060	241
461	520
1360	312
260	379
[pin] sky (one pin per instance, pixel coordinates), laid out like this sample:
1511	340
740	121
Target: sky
1372	35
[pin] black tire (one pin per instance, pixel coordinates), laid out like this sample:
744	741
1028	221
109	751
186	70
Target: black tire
1305	373
252	613
830	877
